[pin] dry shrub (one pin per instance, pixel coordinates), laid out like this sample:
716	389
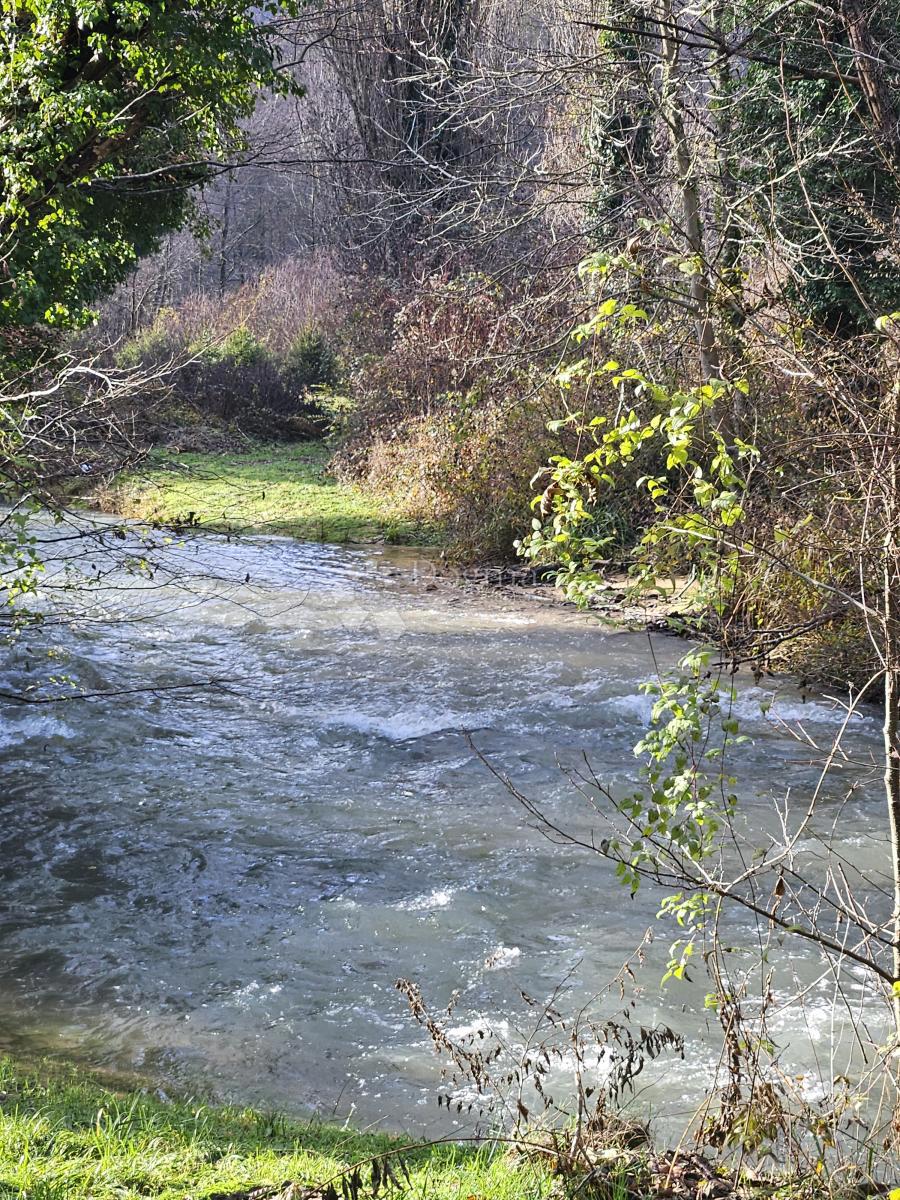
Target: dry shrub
782	621
467	468
449	417
804	523
451	410
275	307
453	335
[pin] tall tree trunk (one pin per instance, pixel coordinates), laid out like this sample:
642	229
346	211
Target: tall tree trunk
869	68
689	190
731	307
223	238
891	616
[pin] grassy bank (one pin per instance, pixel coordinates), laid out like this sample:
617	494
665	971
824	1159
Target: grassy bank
267	489
64	1135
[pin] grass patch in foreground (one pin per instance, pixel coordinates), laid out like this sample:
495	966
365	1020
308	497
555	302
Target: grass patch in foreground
268	489
64	1136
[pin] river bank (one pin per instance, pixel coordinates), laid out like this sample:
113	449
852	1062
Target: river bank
287	489
226	484
281	488
65	1135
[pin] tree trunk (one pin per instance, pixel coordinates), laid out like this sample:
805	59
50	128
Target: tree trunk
731	308
870	70
686	175
891	729
223	238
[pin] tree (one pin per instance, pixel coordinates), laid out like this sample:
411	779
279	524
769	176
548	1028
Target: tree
816	111
717	512
111	111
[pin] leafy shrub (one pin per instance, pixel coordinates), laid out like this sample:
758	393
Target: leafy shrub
235	378
241	348
311	361
152	346
250	356
337	410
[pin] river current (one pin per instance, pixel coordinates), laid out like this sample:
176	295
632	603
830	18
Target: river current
217	887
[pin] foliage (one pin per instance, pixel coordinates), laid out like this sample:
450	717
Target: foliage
232	377
260	359
692	478
838	189
700	480
240	348
451	409
149	347
310	361
111	113
22	568
684	803
691	473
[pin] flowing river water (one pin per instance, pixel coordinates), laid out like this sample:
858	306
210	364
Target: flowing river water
218	887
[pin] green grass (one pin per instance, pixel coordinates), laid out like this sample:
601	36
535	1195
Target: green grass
268	489
64	1135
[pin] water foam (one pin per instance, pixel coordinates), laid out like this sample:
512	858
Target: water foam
407	724
32	727
441	898
756	706
502	957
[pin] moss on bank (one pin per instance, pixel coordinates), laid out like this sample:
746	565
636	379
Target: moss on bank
64	1135
267	489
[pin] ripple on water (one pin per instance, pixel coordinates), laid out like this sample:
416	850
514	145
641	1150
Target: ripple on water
221	887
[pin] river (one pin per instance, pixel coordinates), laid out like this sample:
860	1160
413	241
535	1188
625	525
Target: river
218	887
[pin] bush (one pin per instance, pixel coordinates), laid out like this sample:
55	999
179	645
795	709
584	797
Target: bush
242	382
439	341
252	356
152	346
240	348
235	378
451	413
311	362
467	468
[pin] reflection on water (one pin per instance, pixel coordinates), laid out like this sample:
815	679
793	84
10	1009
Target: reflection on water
219	887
